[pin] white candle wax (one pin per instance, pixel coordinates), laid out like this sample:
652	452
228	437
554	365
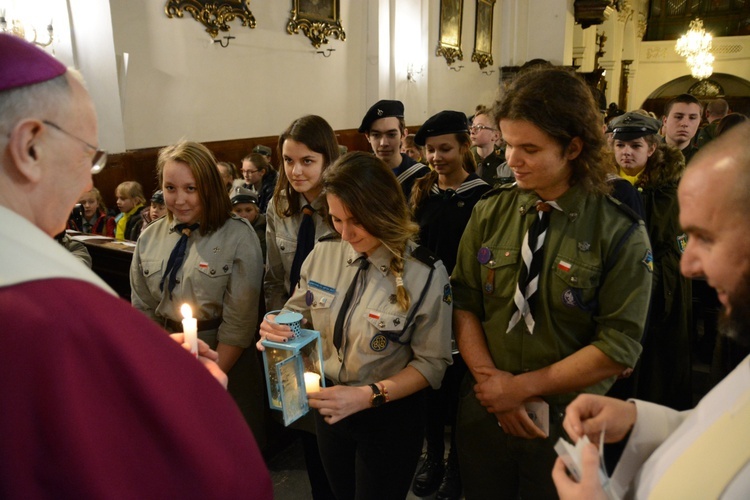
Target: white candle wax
190	329
312	382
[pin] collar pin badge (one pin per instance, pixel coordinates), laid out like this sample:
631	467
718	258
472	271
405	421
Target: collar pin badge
484	255
584	246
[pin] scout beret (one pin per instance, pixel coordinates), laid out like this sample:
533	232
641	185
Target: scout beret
25	64
263	150
381	109
158	197
632	125
243	195
445	122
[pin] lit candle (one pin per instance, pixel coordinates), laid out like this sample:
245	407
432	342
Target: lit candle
190	329
312	382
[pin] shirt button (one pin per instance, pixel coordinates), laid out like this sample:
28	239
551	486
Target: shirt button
282	247
177	281
213	271
383	269
348	261
226	268
145	271
573	279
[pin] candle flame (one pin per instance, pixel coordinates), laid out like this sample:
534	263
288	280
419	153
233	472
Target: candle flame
187	312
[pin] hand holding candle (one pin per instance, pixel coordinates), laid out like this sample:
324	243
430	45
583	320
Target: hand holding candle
190	329
312	382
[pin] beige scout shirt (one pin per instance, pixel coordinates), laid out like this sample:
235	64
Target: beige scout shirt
220	277
281	243
368	354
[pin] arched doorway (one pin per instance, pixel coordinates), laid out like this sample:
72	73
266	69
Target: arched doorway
734	89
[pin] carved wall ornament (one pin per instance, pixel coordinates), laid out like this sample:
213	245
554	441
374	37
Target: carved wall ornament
317	19
451	18
213	14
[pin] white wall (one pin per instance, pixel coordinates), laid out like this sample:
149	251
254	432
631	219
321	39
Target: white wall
156	80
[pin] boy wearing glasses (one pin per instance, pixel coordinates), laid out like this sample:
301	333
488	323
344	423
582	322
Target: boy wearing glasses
491	166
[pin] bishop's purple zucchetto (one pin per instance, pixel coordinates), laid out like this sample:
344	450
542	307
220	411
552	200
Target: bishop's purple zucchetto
22	63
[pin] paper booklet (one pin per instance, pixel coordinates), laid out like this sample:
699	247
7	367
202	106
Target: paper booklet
571	456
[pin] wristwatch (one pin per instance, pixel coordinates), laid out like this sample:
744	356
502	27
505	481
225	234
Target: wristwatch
378	397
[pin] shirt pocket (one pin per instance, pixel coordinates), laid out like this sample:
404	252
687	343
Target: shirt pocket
287	247
320	310
212	279
152	273
386	329
577	283
500	273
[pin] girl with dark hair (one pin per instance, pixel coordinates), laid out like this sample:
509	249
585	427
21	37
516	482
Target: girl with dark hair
295	218
664	372
203	255
383	307
442	202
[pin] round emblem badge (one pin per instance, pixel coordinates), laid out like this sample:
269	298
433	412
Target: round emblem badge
484	255
568	298
309	298
379	342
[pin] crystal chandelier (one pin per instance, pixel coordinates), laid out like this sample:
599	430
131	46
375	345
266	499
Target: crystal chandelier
695	47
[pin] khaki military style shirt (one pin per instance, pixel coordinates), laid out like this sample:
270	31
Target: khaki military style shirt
281	244
594	286
375	345
220	277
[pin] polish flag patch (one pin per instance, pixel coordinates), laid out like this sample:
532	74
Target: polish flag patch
203	265
563	266
373	315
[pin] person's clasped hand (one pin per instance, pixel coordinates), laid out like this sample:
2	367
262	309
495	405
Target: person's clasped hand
207	356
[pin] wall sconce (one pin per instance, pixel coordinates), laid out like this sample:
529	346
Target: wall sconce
227	38
326	52
412	74
488	73
20	29
456	69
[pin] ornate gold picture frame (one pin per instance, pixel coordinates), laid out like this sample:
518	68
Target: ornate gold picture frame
213	14
483	33
451	18
318	20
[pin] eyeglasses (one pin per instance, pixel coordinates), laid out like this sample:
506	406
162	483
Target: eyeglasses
98	161
478	128
250	171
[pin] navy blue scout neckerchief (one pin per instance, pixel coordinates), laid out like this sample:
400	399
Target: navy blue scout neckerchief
177	256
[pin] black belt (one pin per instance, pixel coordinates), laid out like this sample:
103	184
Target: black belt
208	324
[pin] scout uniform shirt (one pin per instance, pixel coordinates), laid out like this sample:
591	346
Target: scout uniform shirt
220	277
281	244
374	346
594	284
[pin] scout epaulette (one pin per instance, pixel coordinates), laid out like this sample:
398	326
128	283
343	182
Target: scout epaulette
624	208
425	256
330	237
497	189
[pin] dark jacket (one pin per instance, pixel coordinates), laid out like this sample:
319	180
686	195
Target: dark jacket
664	375
104	224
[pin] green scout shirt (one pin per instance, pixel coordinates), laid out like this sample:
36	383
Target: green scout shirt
594	286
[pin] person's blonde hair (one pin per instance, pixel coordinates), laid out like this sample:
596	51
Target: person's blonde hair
216	208
370	191
102	207
131	189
